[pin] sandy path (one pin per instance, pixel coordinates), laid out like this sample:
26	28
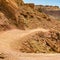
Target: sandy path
12	35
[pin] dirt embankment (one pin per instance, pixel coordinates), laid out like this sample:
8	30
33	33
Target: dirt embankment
25	29
14	42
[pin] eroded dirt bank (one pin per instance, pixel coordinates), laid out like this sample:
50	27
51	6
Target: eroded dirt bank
13	41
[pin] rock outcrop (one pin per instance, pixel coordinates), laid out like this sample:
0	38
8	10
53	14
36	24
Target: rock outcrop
15	14
10	7
11	10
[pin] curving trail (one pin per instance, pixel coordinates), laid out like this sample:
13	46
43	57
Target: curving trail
16	34
11	36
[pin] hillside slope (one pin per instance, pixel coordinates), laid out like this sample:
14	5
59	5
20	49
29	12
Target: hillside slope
28	41
29	18
25	28
52	11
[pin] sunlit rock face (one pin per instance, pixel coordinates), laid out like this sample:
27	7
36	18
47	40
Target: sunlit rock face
9	12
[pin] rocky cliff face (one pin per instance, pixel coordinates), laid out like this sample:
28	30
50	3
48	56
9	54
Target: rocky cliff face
9	13
26	17
14	16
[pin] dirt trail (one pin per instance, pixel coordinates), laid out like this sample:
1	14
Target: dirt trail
15	34
12	35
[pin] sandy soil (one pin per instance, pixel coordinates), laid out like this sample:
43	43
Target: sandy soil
6	39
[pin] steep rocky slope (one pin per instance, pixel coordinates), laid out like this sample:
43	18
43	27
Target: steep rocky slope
9	15
19	15
26	16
